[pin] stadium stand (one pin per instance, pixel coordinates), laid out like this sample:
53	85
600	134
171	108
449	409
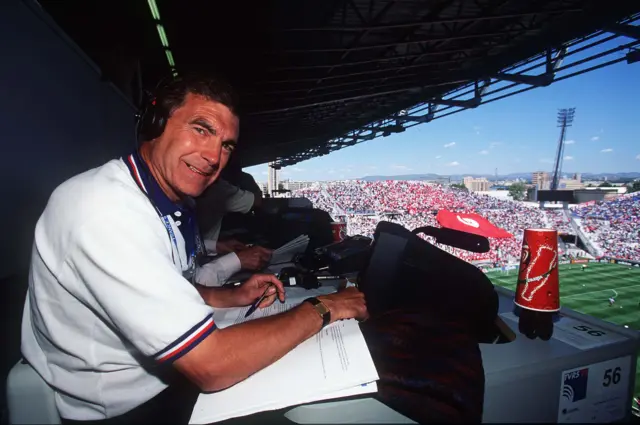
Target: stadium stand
612	226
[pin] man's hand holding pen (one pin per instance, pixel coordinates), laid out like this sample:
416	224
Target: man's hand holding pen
263	287
261	290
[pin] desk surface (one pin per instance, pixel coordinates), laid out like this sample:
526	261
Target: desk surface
504	365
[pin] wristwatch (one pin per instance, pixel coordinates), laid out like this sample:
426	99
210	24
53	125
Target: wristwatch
322	310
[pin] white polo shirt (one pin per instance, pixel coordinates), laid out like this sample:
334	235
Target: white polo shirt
220	198
106	303
217	200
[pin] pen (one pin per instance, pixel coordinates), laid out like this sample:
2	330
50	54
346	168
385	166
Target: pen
257	302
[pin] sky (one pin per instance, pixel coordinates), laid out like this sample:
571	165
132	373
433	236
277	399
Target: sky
515	134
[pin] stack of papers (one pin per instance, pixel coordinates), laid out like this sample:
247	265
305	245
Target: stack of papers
286	252
334	363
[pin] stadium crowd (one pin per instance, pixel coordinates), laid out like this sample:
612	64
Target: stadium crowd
613	225
557	219
414	203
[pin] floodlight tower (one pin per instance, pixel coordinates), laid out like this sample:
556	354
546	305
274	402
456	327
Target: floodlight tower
565	119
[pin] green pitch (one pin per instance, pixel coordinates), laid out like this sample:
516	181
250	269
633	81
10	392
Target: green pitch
589	291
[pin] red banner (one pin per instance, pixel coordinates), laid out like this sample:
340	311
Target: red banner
471	223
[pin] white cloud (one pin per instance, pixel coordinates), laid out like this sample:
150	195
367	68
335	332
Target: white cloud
606	150
400	167
483	152
638	157
448	145
264	173
372	167
297	169
332	171
569	142
438	156
546	161
477	129
595	138
568	158
453	164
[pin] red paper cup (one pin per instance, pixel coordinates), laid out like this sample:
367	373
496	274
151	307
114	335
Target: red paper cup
538	286
339	230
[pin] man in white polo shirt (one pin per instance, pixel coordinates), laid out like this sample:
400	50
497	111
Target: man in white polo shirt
113	319
217	200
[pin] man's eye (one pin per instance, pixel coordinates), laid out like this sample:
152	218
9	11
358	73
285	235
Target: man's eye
201	131
228	146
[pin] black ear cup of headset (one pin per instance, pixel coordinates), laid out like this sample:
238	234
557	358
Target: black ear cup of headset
151	120
152	116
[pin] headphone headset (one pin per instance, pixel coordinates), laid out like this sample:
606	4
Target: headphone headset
152	116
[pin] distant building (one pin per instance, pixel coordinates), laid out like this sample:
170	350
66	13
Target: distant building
570	184
541	180
476	185
263	188
596	194
272	182
294	185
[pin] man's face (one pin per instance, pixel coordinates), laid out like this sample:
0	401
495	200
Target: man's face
194	147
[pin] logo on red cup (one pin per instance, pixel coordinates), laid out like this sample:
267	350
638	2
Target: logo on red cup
538	286
339	230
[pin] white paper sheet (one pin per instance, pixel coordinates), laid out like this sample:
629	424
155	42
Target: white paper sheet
333	363
287	251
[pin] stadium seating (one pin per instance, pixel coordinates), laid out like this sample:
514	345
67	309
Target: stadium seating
613	225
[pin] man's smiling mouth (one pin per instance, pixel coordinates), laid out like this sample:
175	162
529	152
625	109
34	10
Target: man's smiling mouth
197	171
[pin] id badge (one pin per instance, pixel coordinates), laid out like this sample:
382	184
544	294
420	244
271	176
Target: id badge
190	272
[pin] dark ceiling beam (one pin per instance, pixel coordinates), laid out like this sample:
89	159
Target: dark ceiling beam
325	87
325	91
363	34
406	42
433	22
351	98
631	31
432	13
388	59
466	27
354	74
357	12
360	37
469	26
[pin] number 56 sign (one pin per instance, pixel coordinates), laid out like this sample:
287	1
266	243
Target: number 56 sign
598	392
611	376
589	330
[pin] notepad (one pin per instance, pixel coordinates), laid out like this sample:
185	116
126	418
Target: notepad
287	251
334	363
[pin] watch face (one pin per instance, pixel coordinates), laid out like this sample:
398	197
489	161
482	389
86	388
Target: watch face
322	309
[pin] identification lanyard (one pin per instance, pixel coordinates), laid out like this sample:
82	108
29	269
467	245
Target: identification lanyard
189	269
